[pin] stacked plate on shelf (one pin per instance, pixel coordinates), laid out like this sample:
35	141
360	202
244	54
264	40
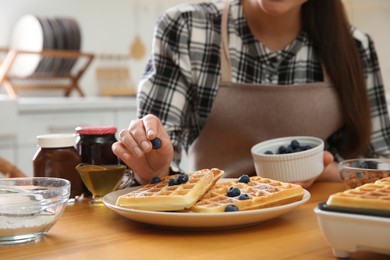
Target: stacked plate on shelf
39	33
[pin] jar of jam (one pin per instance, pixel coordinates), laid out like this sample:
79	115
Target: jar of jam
57	157
94	144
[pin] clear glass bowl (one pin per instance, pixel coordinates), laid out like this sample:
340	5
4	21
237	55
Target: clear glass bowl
356	172
30	206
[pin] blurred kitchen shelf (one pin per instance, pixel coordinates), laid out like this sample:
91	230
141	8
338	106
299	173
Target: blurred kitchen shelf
113	75
62	70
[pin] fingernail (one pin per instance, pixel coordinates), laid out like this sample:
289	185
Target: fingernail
145	145
126	156
150	132
138	151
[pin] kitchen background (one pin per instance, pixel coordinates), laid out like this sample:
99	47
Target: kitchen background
110	29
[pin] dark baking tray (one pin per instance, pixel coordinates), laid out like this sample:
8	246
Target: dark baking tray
366	212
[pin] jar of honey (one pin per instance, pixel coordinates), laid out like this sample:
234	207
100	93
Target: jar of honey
57	157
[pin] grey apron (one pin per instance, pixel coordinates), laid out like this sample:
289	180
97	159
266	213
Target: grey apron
245	114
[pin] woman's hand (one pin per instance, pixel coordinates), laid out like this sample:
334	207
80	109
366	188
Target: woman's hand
135	148
330	172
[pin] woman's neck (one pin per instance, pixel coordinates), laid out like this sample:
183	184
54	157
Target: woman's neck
274	31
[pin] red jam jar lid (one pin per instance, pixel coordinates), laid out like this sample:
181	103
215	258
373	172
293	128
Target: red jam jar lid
96	130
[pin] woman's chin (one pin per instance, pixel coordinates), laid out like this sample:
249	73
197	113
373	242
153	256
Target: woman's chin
279	7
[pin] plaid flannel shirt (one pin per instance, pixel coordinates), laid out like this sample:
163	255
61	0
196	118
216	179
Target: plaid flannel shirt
183	73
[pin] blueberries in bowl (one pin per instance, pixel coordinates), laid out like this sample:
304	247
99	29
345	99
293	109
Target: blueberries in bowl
293	147
365	164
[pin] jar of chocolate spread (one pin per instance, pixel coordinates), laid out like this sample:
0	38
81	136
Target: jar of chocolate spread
57	157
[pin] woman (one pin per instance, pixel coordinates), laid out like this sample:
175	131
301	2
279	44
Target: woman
223	77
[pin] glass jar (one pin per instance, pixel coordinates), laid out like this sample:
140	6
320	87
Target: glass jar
94	144
58	157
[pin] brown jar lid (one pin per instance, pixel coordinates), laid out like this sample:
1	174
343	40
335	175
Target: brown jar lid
96	130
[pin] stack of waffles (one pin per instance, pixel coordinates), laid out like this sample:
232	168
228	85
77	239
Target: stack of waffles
202	192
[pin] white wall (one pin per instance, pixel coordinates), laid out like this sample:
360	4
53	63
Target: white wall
373	17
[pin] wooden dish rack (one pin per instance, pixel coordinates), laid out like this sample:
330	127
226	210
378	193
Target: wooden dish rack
67	82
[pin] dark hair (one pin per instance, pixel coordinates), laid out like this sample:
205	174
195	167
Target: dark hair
327	25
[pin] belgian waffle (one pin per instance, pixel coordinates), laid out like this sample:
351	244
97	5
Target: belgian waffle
384	181
262	193
162	197
368	196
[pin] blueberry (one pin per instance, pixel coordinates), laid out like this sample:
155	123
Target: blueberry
230	208
155	179
298	149
268	152
294	144
156	143
243	197
363	165
357	164
360	175
183	178
289	149
233	192
372	165
173	182
244	179
282	149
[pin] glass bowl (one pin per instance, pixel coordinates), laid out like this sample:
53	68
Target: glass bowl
356	172
299	161
30	207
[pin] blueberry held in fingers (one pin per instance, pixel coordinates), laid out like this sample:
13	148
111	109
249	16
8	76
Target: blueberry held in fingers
156	143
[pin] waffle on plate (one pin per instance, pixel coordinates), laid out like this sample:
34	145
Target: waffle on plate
170	195
248	193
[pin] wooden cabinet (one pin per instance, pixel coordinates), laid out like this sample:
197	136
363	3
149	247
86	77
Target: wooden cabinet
36	116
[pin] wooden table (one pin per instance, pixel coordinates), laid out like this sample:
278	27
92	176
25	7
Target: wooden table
86	232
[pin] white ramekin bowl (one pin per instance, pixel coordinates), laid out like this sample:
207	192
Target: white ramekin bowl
289	167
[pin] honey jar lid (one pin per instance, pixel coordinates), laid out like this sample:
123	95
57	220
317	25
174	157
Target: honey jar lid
56	140
96	130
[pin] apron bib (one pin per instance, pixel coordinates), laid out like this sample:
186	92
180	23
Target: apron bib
245	114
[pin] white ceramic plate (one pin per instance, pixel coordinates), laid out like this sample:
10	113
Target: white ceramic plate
28	36
191	220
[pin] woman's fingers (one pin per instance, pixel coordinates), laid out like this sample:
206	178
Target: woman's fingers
328	158
305	184
130	144
120	150
140	133
152	126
